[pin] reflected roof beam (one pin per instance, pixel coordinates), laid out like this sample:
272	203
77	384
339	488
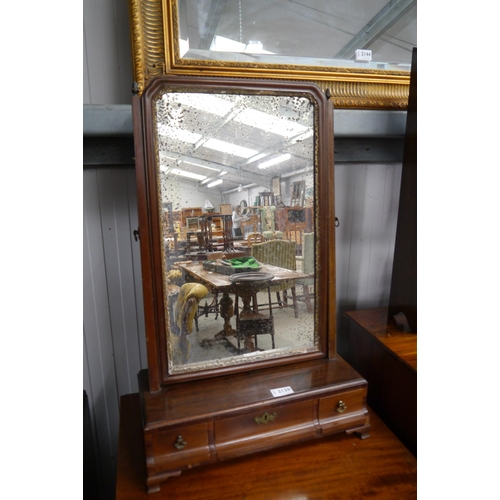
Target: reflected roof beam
230	170
375	28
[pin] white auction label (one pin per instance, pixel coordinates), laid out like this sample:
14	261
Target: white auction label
282	391
363	55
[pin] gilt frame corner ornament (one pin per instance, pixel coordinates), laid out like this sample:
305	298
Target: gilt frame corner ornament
156	52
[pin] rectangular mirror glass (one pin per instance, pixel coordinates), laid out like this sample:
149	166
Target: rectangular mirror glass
239	270
313	33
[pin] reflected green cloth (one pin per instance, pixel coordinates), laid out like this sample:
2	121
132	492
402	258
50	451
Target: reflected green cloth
243	262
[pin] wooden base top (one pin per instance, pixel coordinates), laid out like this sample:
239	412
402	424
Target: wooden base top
180	402
342	466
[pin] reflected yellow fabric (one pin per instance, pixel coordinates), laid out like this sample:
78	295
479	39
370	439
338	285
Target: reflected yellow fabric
185	308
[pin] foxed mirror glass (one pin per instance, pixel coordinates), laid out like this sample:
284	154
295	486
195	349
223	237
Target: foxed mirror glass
239	271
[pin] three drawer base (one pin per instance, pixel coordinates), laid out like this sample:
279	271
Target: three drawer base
178	437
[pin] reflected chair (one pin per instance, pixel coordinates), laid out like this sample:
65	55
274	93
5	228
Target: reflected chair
307	261
185	311
267	222
280	253
255	238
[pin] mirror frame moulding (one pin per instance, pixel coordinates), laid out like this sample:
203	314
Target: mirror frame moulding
149	222
156	52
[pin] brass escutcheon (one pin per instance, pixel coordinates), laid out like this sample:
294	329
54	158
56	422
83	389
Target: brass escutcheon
266	418
341	407
180	443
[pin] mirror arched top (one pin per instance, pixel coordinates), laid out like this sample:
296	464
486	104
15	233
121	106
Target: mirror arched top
235	291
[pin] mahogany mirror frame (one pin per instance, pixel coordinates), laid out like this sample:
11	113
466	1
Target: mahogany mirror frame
150	233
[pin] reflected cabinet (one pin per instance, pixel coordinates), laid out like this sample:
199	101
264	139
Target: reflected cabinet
240	324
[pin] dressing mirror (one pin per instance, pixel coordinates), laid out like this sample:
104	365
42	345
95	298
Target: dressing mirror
243	285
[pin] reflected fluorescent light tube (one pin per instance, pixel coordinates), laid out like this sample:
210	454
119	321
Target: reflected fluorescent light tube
231	149
274	161
200	165
215	183
270	123
178	134
205	102
191	175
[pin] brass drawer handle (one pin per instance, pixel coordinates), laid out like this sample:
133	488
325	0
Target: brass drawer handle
266	418
180	443
341	407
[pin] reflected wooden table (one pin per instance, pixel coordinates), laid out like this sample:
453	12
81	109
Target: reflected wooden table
340	466
220	283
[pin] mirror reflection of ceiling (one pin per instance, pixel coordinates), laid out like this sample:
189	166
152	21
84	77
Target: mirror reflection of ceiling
224	141
306	32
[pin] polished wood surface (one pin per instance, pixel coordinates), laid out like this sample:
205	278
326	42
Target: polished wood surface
220	282
206	398
399	343
342	466
387	358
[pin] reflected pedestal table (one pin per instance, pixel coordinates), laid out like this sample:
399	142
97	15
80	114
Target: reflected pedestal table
249	322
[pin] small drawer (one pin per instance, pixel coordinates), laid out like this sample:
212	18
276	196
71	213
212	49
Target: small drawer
180	447
333	410
256	430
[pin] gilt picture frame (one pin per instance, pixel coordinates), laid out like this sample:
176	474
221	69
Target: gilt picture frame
156	51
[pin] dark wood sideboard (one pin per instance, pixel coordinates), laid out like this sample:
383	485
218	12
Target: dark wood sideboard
386	357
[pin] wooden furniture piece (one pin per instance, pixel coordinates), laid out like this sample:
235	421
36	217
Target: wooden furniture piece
190	212
387	357
295	219
403	294
201	411
379	468
221	286
252	224
225	209
255	238
307	267
201	424
280	253
250	323
298	194
266	198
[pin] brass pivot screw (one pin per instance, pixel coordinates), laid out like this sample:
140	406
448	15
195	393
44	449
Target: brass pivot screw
341	407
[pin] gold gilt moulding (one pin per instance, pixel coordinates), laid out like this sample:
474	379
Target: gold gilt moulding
156	52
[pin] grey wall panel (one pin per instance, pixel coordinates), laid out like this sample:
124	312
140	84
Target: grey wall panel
103	394
114	339
366	204
117	243
107	52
